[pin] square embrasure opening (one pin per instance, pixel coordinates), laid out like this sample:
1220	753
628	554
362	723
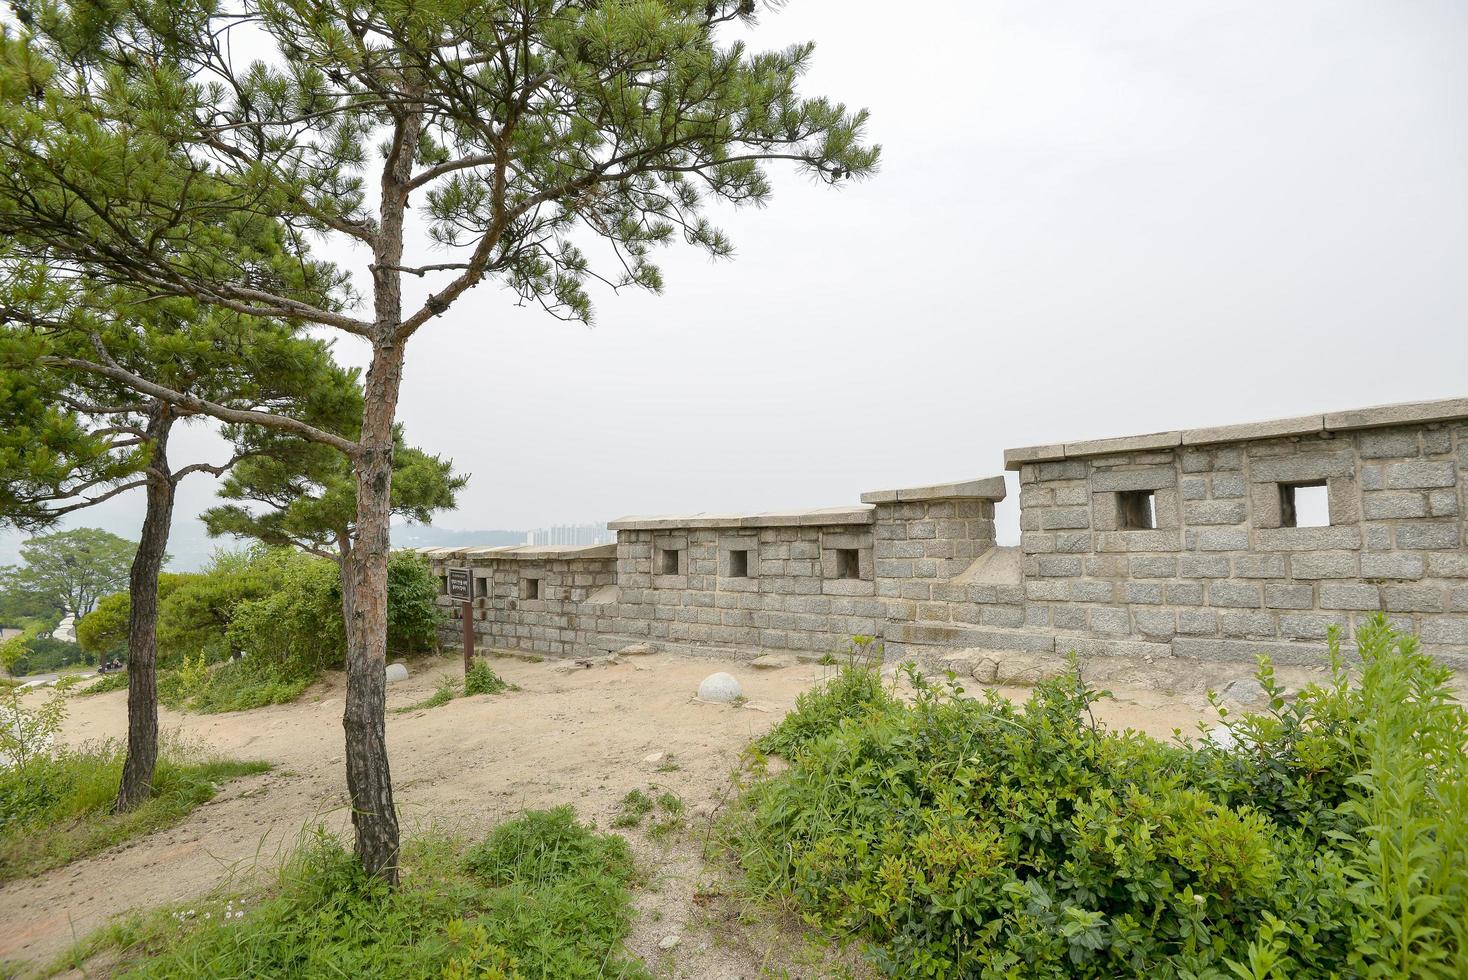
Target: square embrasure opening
739	563
1304	504
530	588
1136	510
481	587
848	563
668	561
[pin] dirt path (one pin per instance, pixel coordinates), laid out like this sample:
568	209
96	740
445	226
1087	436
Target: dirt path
581	737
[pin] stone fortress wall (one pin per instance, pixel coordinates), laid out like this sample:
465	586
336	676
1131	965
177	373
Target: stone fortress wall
1189	544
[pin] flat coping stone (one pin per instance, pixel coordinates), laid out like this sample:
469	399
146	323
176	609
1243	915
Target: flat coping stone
980	488
522	552
817	517
1405	413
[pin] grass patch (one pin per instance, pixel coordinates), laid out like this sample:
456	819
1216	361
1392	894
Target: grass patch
634	806
112	682
953	836
480	680
542	896
58	807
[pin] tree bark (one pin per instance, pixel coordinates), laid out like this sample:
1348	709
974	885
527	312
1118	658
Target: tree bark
364	600
142	624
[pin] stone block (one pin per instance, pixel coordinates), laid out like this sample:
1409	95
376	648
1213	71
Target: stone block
1247	431
1277	596
1227	486
1340	564
1203	566
1070	469
1309	626
1060	565
1155	622
1448	565
1412	598
1110	622
1303	467
1443	503
1072	542
1454	631
1341	596
1084	647
1393	505
1193	488
1429	536
1412	413
1458	599
1185	593
1259	566
1105	566
1197	622
1041	590
1309	538
1124	444
1388	443
1149	593
1065	518
1222	539
1068	617
1243	595
1392	565
1214	512
1093	591
1245	651
1152	566
1420	474
1247	624
1148	478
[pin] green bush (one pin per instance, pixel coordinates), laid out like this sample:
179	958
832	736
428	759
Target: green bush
56	803
961	837
481	679
542	897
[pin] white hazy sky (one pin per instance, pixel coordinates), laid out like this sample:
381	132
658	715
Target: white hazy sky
1092	218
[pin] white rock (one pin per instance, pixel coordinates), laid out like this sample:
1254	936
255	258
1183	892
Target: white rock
719	687
669	941
396	672
774	661
1222	737
655	758
636	650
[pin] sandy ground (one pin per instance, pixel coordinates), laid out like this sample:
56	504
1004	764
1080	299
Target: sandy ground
581	737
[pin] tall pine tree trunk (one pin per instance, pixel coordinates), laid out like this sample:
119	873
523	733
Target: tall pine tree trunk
364	601
142	623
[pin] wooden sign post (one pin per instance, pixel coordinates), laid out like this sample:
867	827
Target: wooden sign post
461	587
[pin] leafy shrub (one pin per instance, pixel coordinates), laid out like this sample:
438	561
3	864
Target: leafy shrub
855	693
483	680
972	838
543	896
55	804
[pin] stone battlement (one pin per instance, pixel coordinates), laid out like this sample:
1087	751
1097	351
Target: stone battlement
1216	543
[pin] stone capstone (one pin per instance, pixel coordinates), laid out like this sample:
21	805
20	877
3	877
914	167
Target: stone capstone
396	672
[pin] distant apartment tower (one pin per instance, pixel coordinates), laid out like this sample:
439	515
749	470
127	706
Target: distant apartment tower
571	534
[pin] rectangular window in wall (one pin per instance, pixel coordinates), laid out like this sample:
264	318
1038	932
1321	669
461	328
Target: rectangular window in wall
530	588
668	562
848	563
739	563
481	588
1136	510
1304	504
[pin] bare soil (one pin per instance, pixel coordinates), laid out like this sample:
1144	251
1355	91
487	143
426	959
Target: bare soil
583	737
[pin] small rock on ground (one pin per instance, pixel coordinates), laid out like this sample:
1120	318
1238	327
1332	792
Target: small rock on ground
774	661
719	687
396	672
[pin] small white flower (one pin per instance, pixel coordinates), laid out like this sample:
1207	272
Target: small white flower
1199	899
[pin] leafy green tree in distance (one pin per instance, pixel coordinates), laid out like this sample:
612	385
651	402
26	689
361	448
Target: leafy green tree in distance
132	138
71	570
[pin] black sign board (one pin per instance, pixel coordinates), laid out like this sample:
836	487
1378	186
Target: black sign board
461	585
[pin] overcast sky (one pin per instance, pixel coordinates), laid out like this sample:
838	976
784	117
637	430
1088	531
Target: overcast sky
1092	219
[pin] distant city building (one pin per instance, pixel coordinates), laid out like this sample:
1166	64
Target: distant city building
571	534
